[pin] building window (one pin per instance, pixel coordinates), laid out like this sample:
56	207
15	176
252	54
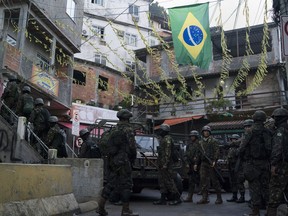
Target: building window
134	10
79	77
99	2
152	42
130	66
103	83
70	9
100	59
11	40
42	63
131	39
98	31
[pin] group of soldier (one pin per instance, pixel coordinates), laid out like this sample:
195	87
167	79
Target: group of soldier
18	101
260	156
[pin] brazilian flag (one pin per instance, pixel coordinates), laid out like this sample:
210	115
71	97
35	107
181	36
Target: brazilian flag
191	34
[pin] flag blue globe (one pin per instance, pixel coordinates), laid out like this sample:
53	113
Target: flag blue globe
193	35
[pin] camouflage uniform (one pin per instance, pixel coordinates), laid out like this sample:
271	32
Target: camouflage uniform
39	118
165	164
121	154
10	98
89	148
255	150
279	163
24	98
210	147
190	159
237	176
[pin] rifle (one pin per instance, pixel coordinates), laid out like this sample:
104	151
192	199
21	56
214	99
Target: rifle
220	177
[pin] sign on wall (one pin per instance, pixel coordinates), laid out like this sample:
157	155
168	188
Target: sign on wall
45	81
284	38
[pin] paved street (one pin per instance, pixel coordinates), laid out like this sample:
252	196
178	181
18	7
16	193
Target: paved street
142	203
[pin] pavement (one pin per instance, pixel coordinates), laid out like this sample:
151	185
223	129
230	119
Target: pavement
143	204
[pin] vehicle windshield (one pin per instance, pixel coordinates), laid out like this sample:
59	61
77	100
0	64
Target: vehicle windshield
145	143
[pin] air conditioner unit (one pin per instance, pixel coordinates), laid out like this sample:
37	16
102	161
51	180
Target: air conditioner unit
135	18
120	33
84	33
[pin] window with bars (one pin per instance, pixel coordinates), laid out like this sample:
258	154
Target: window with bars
100	59
98	31
11	40
42	62
70	8
98	2
131	39
130	66
79	77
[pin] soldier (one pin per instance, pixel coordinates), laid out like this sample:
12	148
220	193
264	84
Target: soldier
54	139
25	103
10	98
165	168
190	159
279	161
255	149
208	156
121	154
236	173
39	118
89	149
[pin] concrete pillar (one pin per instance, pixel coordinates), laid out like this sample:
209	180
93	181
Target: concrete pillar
52	56
22	26
21	127
2	20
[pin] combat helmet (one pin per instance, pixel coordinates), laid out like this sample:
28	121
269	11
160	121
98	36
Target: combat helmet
26	89
39	101
234	136
124	114
260	116
53	119
206	128
83	132
194	133
280	112
248	122
165	127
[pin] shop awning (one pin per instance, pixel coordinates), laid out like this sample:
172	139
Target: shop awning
82	126
176	121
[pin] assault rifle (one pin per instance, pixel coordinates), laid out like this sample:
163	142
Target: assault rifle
220	177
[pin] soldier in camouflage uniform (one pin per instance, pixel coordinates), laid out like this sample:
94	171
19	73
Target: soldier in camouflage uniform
207	159
24	99
255	149
10	98
279	161
40	118
121	154
190	159
165	168
89	148
237	176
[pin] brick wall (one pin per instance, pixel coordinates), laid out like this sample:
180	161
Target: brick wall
11	58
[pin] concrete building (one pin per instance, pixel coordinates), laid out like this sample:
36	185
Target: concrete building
225	104
113	29
38	40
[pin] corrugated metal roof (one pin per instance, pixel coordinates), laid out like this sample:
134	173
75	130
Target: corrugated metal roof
226	125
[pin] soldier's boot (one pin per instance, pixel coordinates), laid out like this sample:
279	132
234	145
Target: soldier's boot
204	199
255	212
219	199
176	201
233	198
189	198
241	198
126	211
101	207
271	211
161	201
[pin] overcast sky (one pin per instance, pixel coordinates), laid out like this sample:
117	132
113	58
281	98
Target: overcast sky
229	11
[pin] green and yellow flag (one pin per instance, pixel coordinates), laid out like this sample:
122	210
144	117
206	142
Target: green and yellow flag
191	34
